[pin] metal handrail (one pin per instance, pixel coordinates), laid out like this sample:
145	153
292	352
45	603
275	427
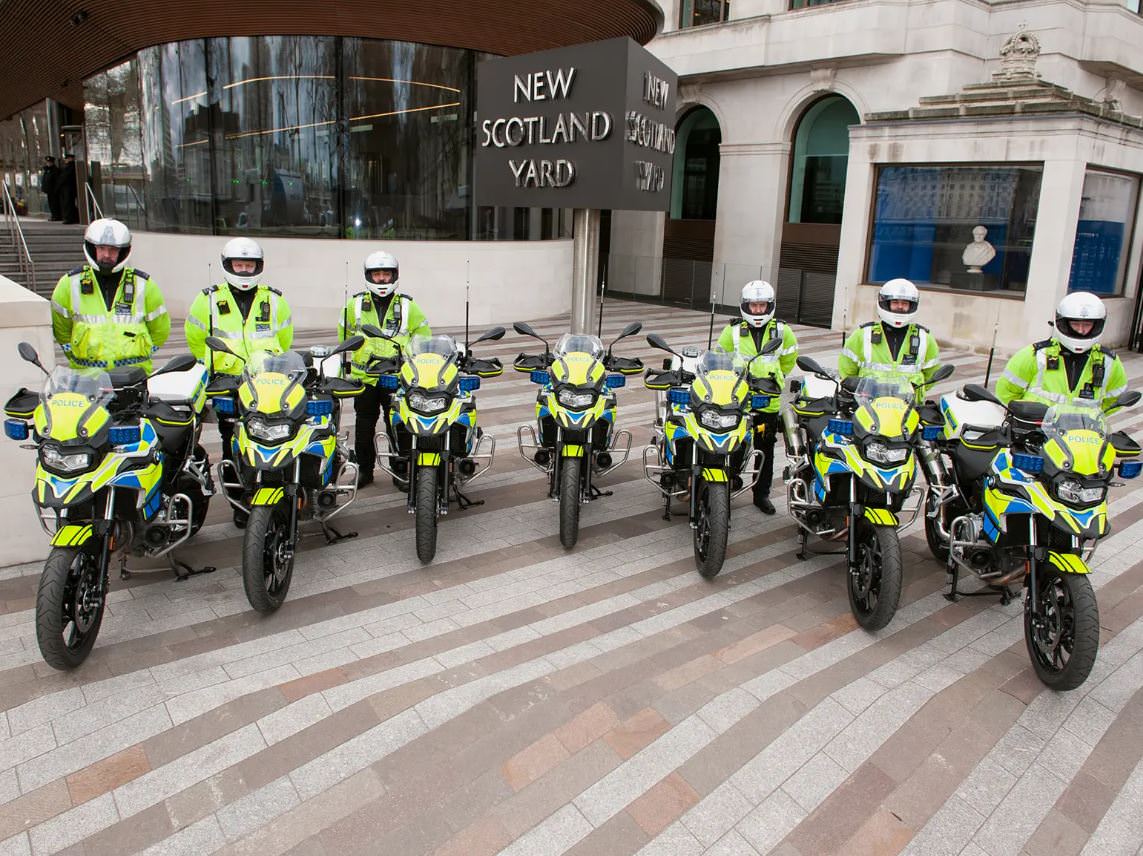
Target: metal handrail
92	203
24	257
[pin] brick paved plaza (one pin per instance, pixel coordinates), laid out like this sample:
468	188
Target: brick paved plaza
513	697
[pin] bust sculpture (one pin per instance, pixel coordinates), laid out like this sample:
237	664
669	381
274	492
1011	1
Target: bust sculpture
979	253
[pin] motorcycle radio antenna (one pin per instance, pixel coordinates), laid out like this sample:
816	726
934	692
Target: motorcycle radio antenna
602	292
713	307
467	273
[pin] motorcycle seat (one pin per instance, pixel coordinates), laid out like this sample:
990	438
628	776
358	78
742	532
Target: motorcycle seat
121	378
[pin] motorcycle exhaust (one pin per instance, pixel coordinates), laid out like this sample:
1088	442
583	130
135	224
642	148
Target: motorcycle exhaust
793	437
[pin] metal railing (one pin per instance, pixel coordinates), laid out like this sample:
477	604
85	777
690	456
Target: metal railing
94	212
16	236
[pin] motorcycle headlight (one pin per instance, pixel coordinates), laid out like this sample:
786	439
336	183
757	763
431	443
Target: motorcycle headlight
270	432
61	462
1070	490
716	420
426	404
575	400
879	453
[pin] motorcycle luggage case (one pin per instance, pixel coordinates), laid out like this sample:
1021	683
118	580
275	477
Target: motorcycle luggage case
969	420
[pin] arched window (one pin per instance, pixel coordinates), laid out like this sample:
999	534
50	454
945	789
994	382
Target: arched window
694	193
821	152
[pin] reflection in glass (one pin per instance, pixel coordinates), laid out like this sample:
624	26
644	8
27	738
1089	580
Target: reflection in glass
928	219
407	159
696	13
1107	213
294	135
821	158
25	141
275	142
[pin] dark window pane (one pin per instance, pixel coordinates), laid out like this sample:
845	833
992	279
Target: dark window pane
821	155
275	134
1106	218
407	162
177	192
960	227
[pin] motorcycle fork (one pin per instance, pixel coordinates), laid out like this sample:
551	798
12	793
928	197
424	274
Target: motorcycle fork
1031	600
855	512
293	491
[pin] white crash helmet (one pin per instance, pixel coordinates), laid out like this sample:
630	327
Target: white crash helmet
107	233
245	249
381	260
897	289
757	291
1080	306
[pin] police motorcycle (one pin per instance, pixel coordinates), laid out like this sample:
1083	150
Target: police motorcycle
853	448
1019	495
575	417
434	407
120	470
701	446
289	463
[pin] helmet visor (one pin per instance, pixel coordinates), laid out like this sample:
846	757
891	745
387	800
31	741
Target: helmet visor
228	265
1083	329
897	304
93	252
757	307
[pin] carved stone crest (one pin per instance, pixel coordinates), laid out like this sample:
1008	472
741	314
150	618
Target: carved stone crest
1018	57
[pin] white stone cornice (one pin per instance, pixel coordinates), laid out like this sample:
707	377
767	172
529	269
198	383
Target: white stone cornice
754	149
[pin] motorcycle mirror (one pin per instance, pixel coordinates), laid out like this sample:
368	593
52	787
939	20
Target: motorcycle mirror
375	332
178	363
809	364
217	344
492	335
524	329
976	392
942	373
771	346
28	353
1129	398
350	344
657	341
630	330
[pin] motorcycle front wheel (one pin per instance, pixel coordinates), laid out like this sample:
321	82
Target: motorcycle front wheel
874	584
426	513
1063	639
267	559
69	610
569	501
712	527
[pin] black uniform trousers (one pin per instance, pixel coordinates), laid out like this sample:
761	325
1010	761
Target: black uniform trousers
369	406
764	442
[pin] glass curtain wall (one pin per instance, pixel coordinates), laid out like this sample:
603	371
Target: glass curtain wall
25	140
296	135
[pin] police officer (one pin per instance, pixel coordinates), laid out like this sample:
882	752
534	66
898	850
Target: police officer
896	343
105	314
245	312
1070	364
398	315
747	338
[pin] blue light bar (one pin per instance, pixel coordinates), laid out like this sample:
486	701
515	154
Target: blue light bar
123	435
224	405
319	407
540	376
1031	464
931	432
759	402
16	429
679	396
469	384
614	381
387	381
1128	469
841	427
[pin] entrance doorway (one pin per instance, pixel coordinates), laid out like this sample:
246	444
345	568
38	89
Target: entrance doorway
688	237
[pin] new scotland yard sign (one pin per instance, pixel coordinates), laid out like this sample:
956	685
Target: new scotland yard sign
586	126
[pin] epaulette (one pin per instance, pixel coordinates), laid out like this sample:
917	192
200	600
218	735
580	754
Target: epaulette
271	288
868	324
1108	354
210	289
141	274
74	271
1043	343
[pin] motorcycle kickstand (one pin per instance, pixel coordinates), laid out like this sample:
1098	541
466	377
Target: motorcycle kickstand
462	501
124	574
952	595
333	536
803	539
596	493
184	572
